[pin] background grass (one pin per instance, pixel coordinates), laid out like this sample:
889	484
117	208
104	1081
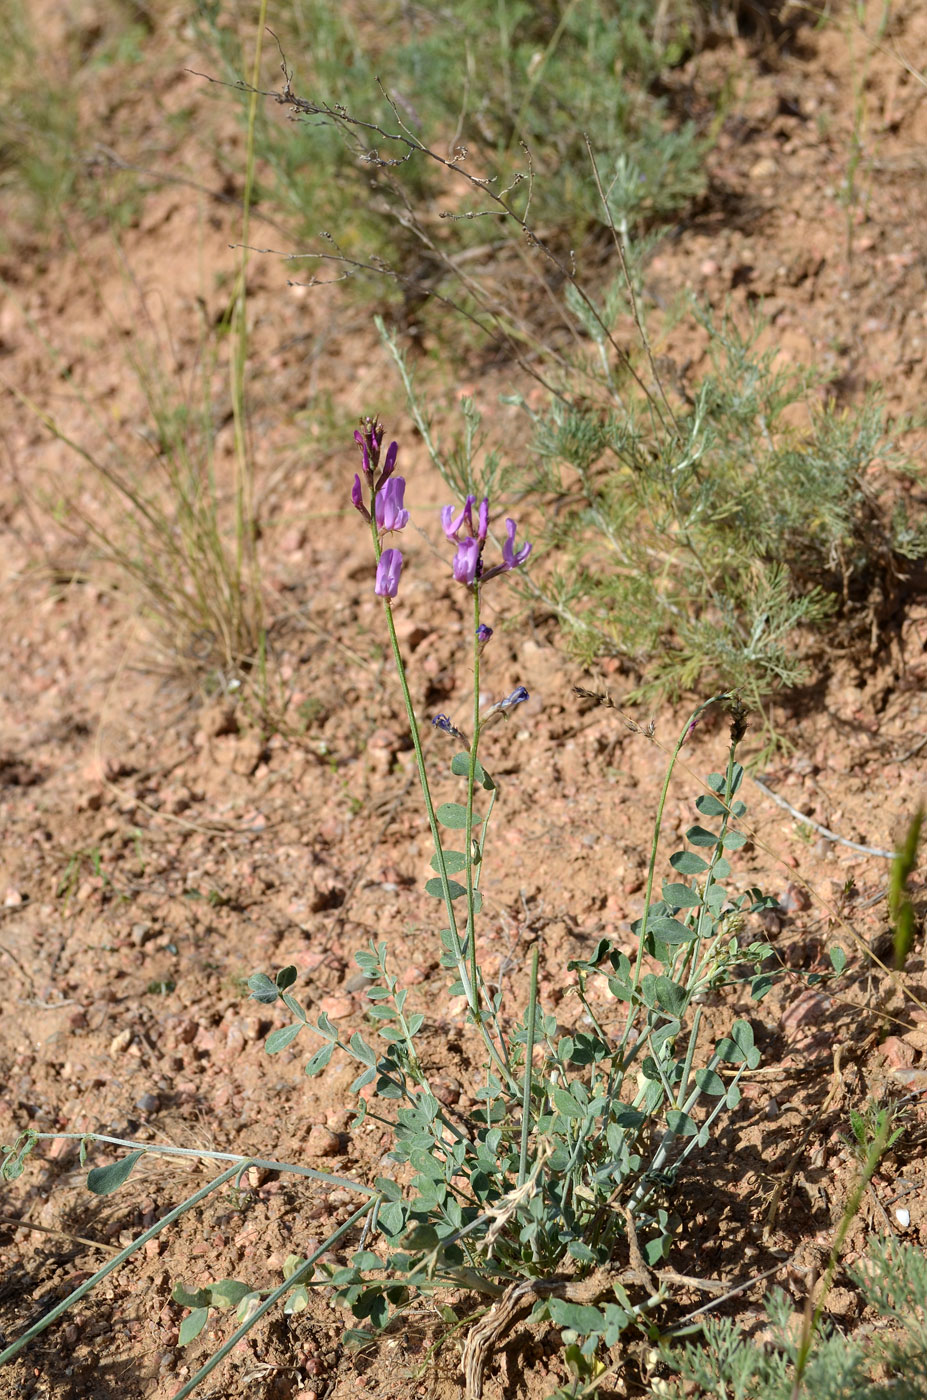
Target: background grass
698	529
474	185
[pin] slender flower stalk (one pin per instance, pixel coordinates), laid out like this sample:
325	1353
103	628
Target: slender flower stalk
471	783
387	512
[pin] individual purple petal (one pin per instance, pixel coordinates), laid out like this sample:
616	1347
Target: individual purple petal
512	560
357	496
483	519
467	561
452	523
388	571
390	463
388	505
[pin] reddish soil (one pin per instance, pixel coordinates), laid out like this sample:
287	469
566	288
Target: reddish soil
159	846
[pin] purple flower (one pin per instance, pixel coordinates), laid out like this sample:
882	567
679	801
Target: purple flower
510	559
388	503
357	496
467	562
388	571
518	696
452	524
443	722
389	464
483	634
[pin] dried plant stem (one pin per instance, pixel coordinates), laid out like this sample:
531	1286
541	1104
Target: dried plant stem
823	830
117	1261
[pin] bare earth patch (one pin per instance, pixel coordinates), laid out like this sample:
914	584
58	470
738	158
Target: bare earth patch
158	847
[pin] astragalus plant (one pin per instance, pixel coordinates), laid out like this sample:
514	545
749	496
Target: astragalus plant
556	1191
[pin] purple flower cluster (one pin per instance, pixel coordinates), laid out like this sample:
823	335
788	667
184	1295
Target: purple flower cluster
387	510
370	440
386	494
468	561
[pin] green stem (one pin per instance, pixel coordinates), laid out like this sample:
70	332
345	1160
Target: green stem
244	486
876	1148
471	780
690	1055
658	825
471	989
469	992
529	1056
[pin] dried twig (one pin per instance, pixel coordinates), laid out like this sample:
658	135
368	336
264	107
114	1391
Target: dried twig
823	830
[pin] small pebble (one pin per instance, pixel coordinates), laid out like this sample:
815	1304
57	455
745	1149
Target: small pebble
358	983
337	1007
322	1142
148	1103
794	897
772	922
120	1043
898	1053
903	1217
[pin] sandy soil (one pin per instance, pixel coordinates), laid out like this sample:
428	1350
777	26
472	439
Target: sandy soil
159	847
